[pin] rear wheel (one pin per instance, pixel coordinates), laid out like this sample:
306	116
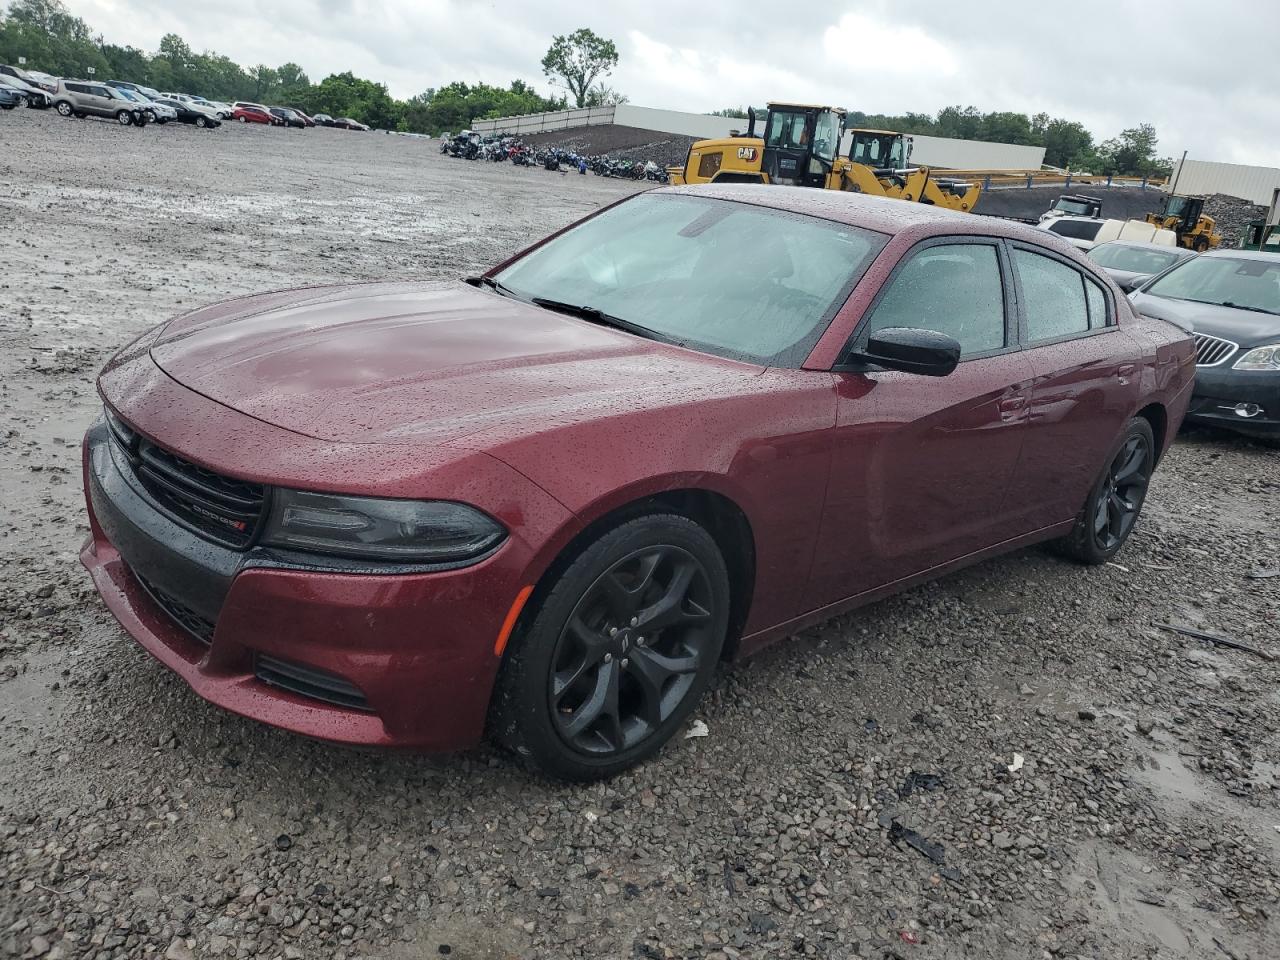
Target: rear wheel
618	652
1115	501
201	122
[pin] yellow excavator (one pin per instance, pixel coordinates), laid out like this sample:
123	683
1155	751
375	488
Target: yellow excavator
801	146
1185	216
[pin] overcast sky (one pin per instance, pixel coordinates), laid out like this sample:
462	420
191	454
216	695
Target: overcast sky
1203	72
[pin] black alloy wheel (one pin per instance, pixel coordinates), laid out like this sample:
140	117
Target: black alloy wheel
613	653
1123	490
630	650
1115	502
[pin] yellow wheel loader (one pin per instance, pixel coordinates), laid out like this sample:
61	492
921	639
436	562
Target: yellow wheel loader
801	146
1185	216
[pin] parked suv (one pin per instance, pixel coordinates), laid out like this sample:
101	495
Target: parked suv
82	98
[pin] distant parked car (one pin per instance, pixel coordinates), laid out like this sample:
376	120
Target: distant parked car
31	95
151	93
253	113
84	98
157	111
346	123
187	113
1132	264
222	110
1087	232
34	78
10	98
323	119
1230	300
287	117
305	119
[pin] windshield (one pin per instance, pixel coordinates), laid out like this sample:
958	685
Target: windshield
730	279
1226	281
883	150
1117	256
1074	207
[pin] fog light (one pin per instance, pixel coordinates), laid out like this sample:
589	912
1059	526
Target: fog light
1247	410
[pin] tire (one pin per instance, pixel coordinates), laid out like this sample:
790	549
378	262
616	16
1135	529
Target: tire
64	109
1115	502
583	694
124	118
244	119
200	122
150	115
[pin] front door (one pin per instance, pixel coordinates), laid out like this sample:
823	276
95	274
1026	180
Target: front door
922	466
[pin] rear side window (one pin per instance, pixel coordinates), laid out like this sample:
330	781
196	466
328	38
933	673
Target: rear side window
951	288
1053	297
1076	229
1097	304
77	88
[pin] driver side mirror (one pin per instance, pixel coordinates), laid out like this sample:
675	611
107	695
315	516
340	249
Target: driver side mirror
911	350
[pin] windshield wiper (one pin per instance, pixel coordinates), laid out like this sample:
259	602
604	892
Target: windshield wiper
596	315
1244	306
497	286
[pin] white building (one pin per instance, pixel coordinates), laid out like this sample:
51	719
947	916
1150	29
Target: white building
933	151
1202	177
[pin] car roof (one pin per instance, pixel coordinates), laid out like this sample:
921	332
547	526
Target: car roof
879	214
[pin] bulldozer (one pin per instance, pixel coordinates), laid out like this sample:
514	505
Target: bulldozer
801	146
1185	216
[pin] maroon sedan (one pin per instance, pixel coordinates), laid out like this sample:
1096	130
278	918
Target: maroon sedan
547	501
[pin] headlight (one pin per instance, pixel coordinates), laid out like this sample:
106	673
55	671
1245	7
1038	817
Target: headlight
410	531
1260	358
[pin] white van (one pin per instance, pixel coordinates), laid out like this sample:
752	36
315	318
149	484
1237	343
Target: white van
1087	232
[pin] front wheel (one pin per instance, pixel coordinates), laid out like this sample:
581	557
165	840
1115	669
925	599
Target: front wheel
64	109
618	652
1115	501
124	118
201	122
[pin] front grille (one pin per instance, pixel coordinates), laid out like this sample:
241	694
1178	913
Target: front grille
219	507
309	682
180	613
1211	351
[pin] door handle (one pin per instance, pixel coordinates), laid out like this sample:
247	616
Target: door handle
1123	373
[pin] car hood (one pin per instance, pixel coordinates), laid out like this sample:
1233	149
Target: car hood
1245	327
385	363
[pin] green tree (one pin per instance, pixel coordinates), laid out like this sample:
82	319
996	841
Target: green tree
737	113
578	60
1133	153
605	96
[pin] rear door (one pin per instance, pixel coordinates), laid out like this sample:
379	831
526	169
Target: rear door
921	465
1086	379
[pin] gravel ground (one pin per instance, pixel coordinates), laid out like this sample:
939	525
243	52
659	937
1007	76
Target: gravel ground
1011	762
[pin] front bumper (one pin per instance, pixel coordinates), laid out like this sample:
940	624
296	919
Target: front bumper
1220	392
396	660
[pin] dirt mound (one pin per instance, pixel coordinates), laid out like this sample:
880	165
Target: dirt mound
1231	215
626	143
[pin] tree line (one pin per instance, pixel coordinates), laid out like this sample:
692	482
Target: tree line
57	42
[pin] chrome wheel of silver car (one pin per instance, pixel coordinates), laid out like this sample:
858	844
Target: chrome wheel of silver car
65	108
124	118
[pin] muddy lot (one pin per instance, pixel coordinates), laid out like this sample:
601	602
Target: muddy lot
136	821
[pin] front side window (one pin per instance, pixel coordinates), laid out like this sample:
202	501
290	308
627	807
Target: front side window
826	136
730	279
1224	281
1053	297
951	288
